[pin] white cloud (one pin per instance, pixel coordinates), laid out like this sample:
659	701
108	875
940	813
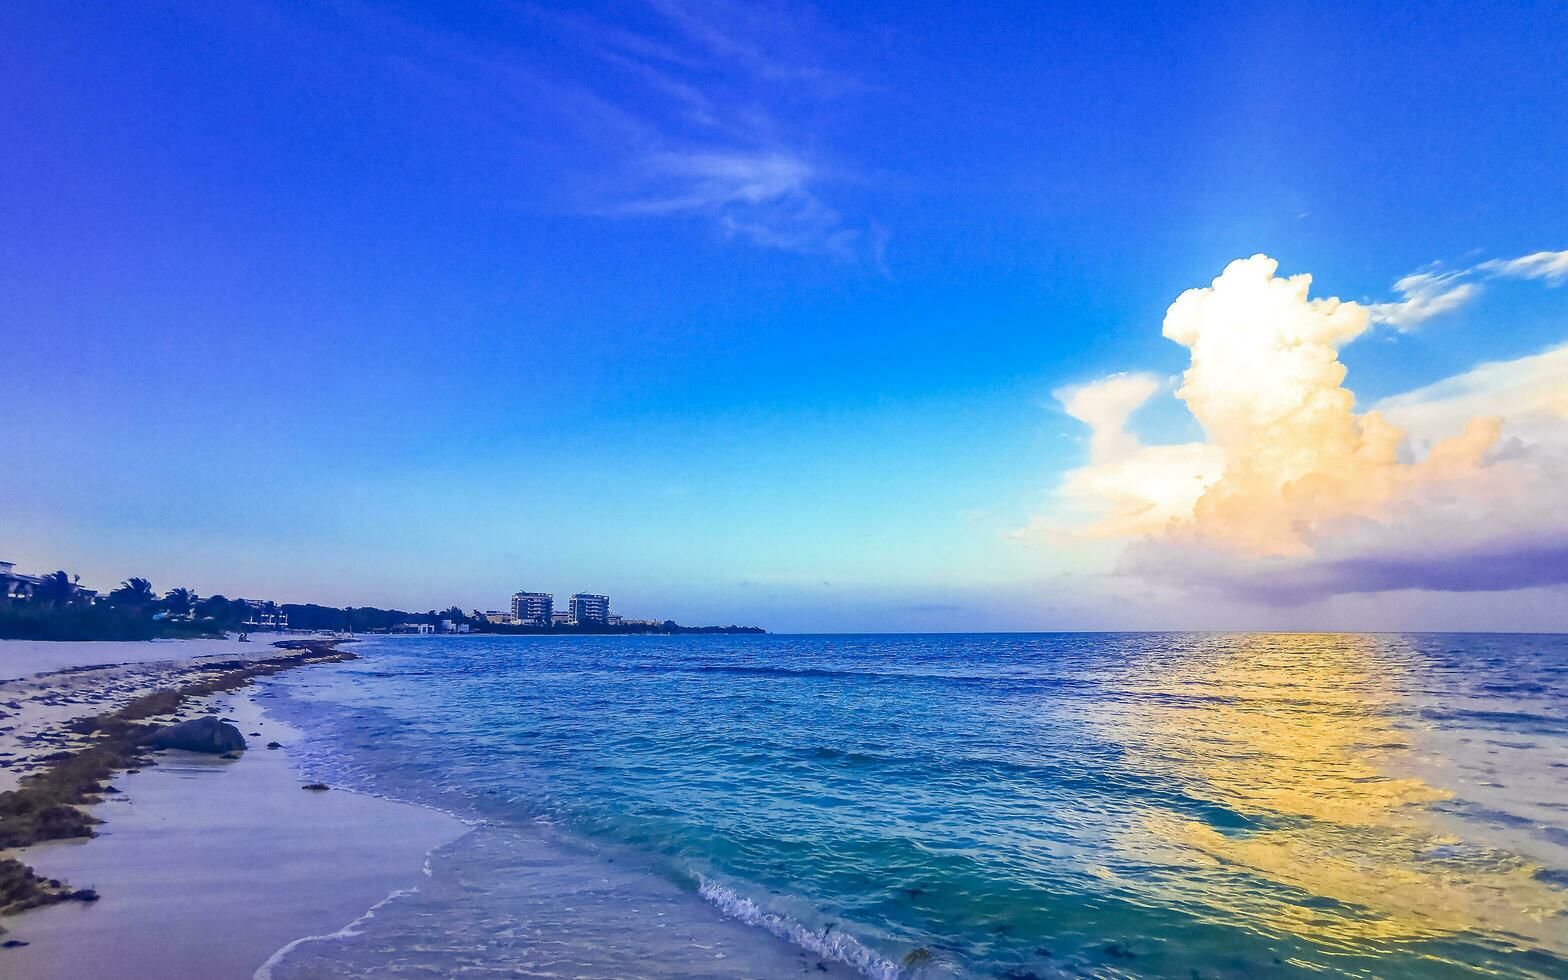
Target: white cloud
709	180
775	42
1105	406
735	73
689	110
1425	295
1550	266
1529	393
1265	383
1293	495
1127	488
764	197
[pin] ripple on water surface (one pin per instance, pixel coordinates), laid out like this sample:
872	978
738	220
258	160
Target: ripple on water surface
989	805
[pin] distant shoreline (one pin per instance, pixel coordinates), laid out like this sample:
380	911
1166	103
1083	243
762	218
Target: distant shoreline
54	607
598	629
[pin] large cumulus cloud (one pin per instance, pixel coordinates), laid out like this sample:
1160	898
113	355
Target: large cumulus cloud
1294	495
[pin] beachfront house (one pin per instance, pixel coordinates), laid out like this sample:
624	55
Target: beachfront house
265	616
15	585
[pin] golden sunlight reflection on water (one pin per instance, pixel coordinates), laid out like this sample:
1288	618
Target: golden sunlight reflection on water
1306	744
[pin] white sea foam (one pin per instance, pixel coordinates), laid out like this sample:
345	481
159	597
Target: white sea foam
828	944
264	972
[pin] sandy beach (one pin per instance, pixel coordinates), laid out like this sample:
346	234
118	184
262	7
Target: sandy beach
46	685
20	658
195	847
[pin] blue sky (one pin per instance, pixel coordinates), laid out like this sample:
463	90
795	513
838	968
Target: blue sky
742	312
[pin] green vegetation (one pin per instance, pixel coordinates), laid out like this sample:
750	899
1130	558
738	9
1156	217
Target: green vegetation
363	619
28	621
61	610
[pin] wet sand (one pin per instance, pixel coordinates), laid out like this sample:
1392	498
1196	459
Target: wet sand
207	867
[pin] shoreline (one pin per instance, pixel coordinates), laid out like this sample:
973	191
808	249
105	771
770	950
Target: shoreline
181	858
169	851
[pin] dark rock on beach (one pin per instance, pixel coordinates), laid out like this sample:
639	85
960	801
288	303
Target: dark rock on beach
202	735
316	787
274	745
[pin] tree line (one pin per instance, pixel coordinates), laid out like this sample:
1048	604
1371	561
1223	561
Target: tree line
60	609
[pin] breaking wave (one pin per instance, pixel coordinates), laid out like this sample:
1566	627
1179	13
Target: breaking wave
826	943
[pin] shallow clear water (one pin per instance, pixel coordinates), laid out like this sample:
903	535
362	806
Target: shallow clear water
960	805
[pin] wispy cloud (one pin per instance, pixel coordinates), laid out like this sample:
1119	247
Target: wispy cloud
1424	295
768	40
663	110
768	198
716	180
724	90
1550	266
1431	293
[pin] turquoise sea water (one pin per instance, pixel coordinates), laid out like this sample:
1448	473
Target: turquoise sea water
1142	805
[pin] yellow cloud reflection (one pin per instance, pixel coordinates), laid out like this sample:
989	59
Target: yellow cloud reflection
1296	736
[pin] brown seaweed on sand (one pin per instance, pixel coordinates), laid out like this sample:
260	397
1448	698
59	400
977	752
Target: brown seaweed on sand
46	804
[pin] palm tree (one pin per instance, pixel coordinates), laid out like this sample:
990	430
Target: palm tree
136	593
56	589
212	607
180	602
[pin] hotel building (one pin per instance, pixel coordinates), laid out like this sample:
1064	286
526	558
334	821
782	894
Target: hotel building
532	608
590	608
